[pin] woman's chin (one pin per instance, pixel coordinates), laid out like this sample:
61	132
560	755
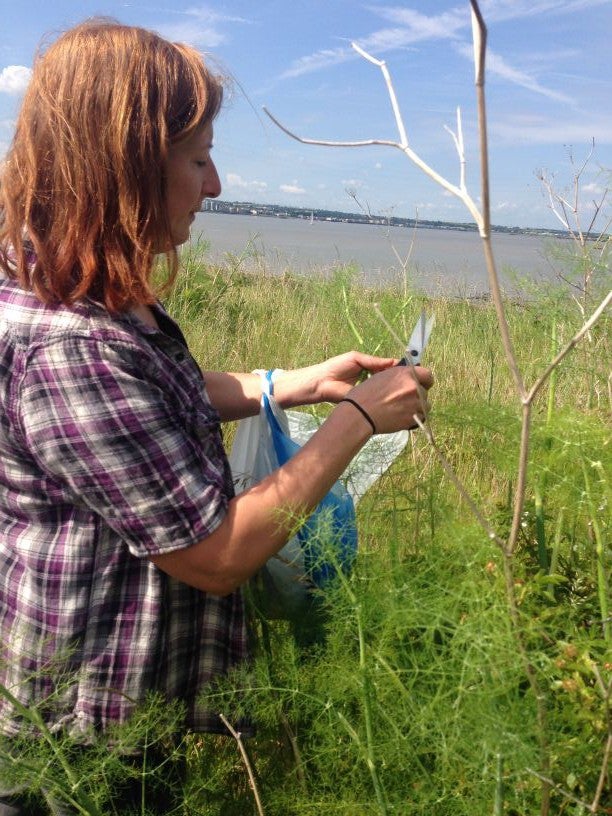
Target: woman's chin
180	237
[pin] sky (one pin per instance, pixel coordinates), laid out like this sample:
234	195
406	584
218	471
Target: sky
548	85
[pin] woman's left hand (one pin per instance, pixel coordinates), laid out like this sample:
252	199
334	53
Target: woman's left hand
328	381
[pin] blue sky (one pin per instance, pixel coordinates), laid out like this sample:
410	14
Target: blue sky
549	92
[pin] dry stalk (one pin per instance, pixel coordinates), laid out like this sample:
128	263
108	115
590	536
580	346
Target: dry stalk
479	32
448	469
603	775
606	693
247	763
559	789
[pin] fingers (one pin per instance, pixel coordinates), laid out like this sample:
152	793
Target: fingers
373	364
421	412
423	375
393	397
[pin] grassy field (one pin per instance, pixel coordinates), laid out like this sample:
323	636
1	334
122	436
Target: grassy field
419	700
421	697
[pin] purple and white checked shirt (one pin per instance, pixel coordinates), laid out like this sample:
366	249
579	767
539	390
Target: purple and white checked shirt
110	452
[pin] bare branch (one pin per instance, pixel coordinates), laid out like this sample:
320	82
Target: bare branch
492	535
566	794
521	480
238	737
396	110
573	342
555	197
603	234
403	146
603	775
400	342
479	34
579	174
458	140
596	210
605	690
328	143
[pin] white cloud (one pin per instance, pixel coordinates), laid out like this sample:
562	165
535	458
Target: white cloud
411	26
448	23
532	130
388	39
357	184
593	188
200	26
499	10
425	205
317	61
236	180
498	66
14	79
417	26
292	189
504	206
210	15
192	34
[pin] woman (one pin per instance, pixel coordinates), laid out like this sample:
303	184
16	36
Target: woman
122	546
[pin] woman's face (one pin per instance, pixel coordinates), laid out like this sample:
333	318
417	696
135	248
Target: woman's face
191	176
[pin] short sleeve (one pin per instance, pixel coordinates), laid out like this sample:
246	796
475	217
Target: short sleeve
129	435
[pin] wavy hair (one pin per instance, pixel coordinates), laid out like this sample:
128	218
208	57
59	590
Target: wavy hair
82	185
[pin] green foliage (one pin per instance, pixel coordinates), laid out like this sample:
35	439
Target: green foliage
418	700
93	780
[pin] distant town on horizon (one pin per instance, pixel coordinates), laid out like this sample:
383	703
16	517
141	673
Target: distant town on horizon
307	213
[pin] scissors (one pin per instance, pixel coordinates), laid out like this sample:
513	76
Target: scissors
418	340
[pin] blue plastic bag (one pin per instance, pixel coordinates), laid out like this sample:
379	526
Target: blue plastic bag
331	525
326	542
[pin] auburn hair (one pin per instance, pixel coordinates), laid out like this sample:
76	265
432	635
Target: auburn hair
82	186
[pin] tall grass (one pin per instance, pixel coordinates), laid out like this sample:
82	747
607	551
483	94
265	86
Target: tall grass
416	701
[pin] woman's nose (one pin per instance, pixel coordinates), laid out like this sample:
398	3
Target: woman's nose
212	182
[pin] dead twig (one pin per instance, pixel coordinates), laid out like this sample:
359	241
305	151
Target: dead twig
247	763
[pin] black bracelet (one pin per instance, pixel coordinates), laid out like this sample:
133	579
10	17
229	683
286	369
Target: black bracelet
362	411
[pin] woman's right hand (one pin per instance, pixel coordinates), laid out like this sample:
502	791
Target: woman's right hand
393	397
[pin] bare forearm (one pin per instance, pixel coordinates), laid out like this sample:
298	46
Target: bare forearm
260	520
236	395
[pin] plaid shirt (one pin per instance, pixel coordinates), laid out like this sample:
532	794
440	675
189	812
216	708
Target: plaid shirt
110	452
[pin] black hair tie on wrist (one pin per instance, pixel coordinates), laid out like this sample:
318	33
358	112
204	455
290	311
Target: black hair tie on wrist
361	411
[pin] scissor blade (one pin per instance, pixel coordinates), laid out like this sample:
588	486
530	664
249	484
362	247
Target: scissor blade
419	339
427	332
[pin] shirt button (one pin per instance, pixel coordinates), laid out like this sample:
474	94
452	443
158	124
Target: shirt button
180	357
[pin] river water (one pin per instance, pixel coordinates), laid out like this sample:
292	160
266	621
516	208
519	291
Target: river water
435	260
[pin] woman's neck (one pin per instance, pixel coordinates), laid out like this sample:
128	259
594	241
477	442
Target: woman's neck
146	315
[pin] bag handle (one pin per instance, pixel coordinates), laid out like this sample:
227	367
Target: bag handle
267	392
267	380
